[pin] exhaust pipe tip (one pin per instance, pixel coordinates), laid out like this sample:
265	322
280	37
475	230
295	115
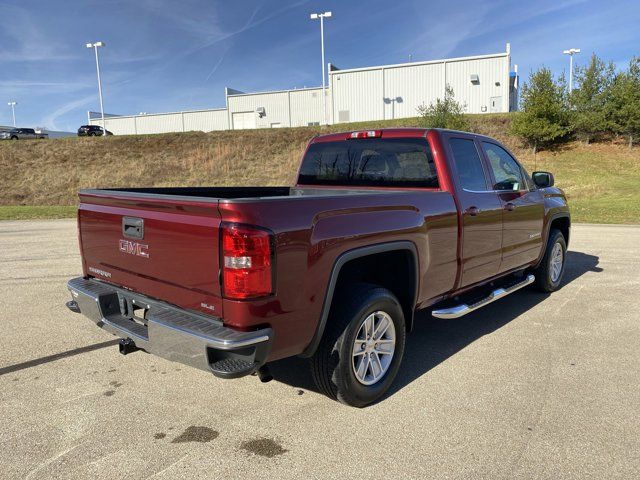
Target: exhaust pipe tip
127	346
264	374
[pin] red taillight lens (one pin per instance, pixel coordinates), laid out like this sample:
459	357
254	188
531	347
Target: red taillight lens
247	260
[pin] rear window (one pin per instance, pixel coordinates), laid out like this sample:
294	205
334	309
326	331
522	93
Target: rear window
393	162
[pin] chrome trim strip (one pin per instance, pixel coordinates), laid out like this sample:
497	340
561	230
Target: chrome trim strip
463	309
496	191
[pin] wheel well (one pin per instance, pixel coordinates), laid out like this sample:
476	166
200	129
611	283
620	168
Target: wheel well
394	270
564	225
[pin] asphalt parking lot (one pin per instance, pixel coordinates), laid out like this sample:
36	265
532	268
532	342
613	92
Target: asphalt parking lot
532	386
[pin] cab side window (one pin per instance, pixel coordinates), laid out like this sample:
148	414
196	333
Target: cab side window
469	165
506	170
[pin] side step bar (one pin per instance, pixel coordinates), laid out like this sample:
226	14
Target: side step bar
461	310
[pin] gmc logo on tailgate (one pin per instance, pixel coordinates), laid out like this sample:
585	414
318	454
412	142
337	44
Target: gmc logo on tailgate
134	248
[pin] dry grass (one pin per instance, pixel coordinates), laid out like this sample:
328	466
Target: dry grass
603	180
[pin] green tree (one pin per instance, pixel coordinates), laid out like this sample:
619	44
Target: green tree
623	102
543	119
589	119
444	113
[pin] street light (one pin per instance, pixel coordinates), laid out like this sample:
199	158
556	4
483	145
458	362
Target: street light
322	16
95	48
13	104
571	52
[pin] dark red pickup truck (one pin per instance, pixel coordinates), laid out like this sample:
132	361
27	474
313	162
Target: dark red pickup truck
380	224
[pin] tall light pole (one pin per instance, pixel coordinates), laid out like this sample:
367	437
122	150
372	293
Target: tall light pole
95	48
322	16
13	104
571	52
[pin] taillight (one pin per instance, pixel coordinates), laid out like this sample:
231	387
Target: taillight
247	255
365	134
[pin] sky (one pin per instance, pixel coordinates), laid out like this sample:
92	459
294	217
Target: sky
170	55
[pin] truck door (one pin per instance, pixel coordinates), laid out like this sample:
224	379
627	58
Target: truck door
523	208
481	212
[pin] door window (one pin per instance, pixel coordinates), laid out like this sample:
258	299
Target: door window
468	164
507	172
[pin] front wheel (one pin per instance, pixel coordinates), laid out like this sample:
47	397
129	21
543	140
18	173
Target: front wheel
362	346
550	271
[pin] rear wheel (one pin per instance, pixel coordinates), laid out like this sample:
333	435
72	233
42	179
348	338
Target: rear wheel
362	346
550	271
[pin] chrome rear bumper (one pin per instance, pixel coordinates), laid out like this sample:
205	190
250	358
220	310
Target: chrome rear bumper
170	332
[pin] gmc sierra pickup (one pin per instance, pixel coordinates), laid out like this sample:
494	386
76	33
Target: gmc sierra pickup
380	224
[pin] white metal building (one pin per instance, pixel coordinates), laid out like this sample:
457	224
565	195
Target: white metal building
284	108
484	84
396	91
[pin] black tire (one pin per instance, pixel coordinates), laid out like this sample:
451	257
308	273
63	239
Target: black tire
331	365
92	134
544	280
14	138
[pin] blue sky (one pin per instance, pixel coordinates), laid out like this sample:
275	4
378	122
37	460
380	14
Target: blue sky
170	55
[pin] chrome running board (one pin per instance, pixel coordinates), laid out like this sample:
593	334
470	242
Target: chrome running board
461	310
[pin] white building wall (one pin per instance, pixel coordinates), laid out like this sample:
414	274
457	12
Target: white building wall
206	120
493	76
357	95
287	108
276	108
196	120
396	91
406	88
117	125
306	107
164	123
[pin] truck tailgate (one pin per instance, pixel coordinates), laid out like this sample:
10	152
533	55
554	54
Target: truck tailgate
161	246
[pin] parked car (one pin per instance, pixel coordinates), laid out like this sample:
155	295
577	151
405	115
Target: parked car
91	131
379	225
23	134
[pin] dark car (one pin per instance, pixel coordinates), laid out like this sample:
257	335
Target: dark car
91	131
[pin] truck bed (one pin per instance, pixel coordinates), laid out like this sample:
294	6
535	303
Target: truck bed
177	259
234	193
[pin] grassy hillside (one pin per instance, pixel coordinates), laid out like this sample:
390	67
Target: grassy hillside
602	180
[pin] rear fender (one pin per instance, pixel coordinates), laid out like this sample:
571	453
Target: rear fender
341	261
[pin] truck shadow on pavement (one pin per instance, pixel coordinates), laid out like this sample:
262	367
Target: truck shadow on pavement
433	340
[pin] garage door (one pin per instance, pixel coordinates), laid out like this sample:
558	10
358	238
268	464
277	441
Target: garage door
244	120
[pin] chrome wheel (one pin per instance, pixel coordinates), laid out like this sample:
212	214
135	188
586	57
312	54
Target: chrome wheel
557	260
373	348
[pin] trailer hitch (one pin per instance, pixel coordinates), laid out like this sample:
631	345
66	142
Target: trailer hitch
127	346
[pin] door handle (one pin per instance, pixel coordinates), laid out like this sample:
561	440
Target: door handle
510	207
473	211
133	227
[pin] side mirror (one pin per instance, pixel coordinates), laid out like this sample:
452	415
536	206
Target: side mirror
543	179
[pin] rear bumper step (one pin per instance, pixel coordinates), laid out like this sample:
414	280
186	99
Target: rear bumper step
463	309
170	332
